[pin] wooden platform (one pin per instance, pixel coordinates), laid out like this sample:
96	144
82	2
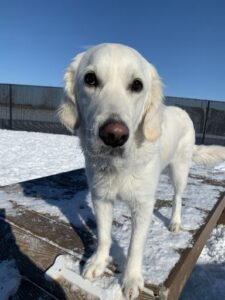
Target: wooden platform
35	239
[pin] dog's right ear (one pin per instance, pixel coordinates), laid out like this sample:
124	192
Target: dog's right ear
68	111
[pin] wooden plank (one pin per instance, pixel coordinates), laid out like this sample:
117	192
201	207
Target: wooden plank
46	227
144	296
40	252
28	290
222	218
35	239
173	286
33	256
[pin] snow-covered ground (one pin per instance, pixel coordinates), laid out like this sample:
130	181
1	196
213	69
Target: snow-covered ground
25	156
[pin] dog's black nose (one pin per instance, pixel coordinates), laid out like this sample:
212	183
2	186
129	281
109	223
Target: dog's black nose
114	133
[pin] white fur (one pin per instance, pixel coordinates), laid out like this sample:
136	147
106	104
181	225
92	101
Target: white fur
160	136
208	155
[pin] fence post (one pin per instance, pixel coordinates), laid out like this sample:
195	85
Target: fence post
10	106
206	122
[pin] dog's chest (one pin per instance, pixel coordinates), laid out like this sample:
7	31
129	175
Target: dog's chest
123	186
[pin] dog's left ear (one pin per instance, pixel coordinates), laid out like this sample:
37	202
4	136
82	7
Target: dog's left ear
153	110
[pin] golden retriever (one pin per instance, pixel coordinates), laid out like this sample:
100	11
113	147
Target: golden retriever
114	100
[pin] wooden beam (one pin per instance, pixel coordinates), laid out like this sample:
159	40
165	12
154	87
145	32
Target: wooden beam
34	240
222	218
173	286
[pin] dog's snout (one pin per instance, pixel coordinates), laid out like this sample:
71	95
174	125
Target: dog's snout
114	133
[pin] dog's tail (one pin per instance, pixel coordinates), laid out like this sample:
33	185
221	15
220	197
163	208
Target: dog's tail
208	155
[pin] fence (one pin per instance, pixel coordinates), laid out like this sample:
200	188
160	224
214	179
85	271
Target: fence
30	108
208	118
33	108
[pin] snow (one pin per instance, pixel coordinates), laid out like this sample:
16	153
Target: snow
26	156
33	155
9	279
66	268
212	251
221	167
207	281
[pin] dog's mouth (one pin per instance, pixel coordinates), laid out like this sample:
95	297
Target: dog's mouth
109	151
95	150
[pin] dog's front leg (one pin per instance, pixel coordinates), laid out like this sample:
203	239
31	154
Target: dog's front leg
96	265
132	280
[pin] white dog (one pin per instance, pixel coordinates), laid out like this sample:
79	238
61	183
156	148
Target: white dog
114	100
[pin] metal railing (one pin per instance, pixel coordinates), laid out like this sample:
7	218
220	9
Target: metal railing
33	108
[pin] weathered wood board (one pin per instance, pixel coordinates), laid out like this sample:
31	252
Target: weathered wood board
34	237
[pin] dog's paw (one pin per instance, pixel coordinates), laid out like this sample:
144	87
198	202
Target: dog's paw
94	267
132	286
175	227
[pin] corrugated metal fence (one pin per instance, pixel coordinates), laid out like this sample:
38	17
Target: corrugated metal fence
208	118
30	108
33	108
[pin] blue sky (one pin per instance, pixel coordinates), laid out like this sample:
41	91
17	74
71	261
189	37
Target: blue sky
184	39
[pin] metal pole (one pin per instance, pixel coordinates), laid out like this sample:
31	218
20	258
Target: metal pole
206	122
10	106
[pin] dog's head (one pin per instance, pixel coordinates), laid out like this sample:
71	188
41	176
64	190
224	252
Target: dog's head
110	92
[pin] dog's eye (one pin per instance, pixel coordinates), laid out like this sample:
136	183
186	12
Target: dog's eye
91	79
136	86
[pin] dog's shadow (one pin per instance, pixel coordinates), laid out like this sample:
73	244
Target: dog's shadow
69	193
